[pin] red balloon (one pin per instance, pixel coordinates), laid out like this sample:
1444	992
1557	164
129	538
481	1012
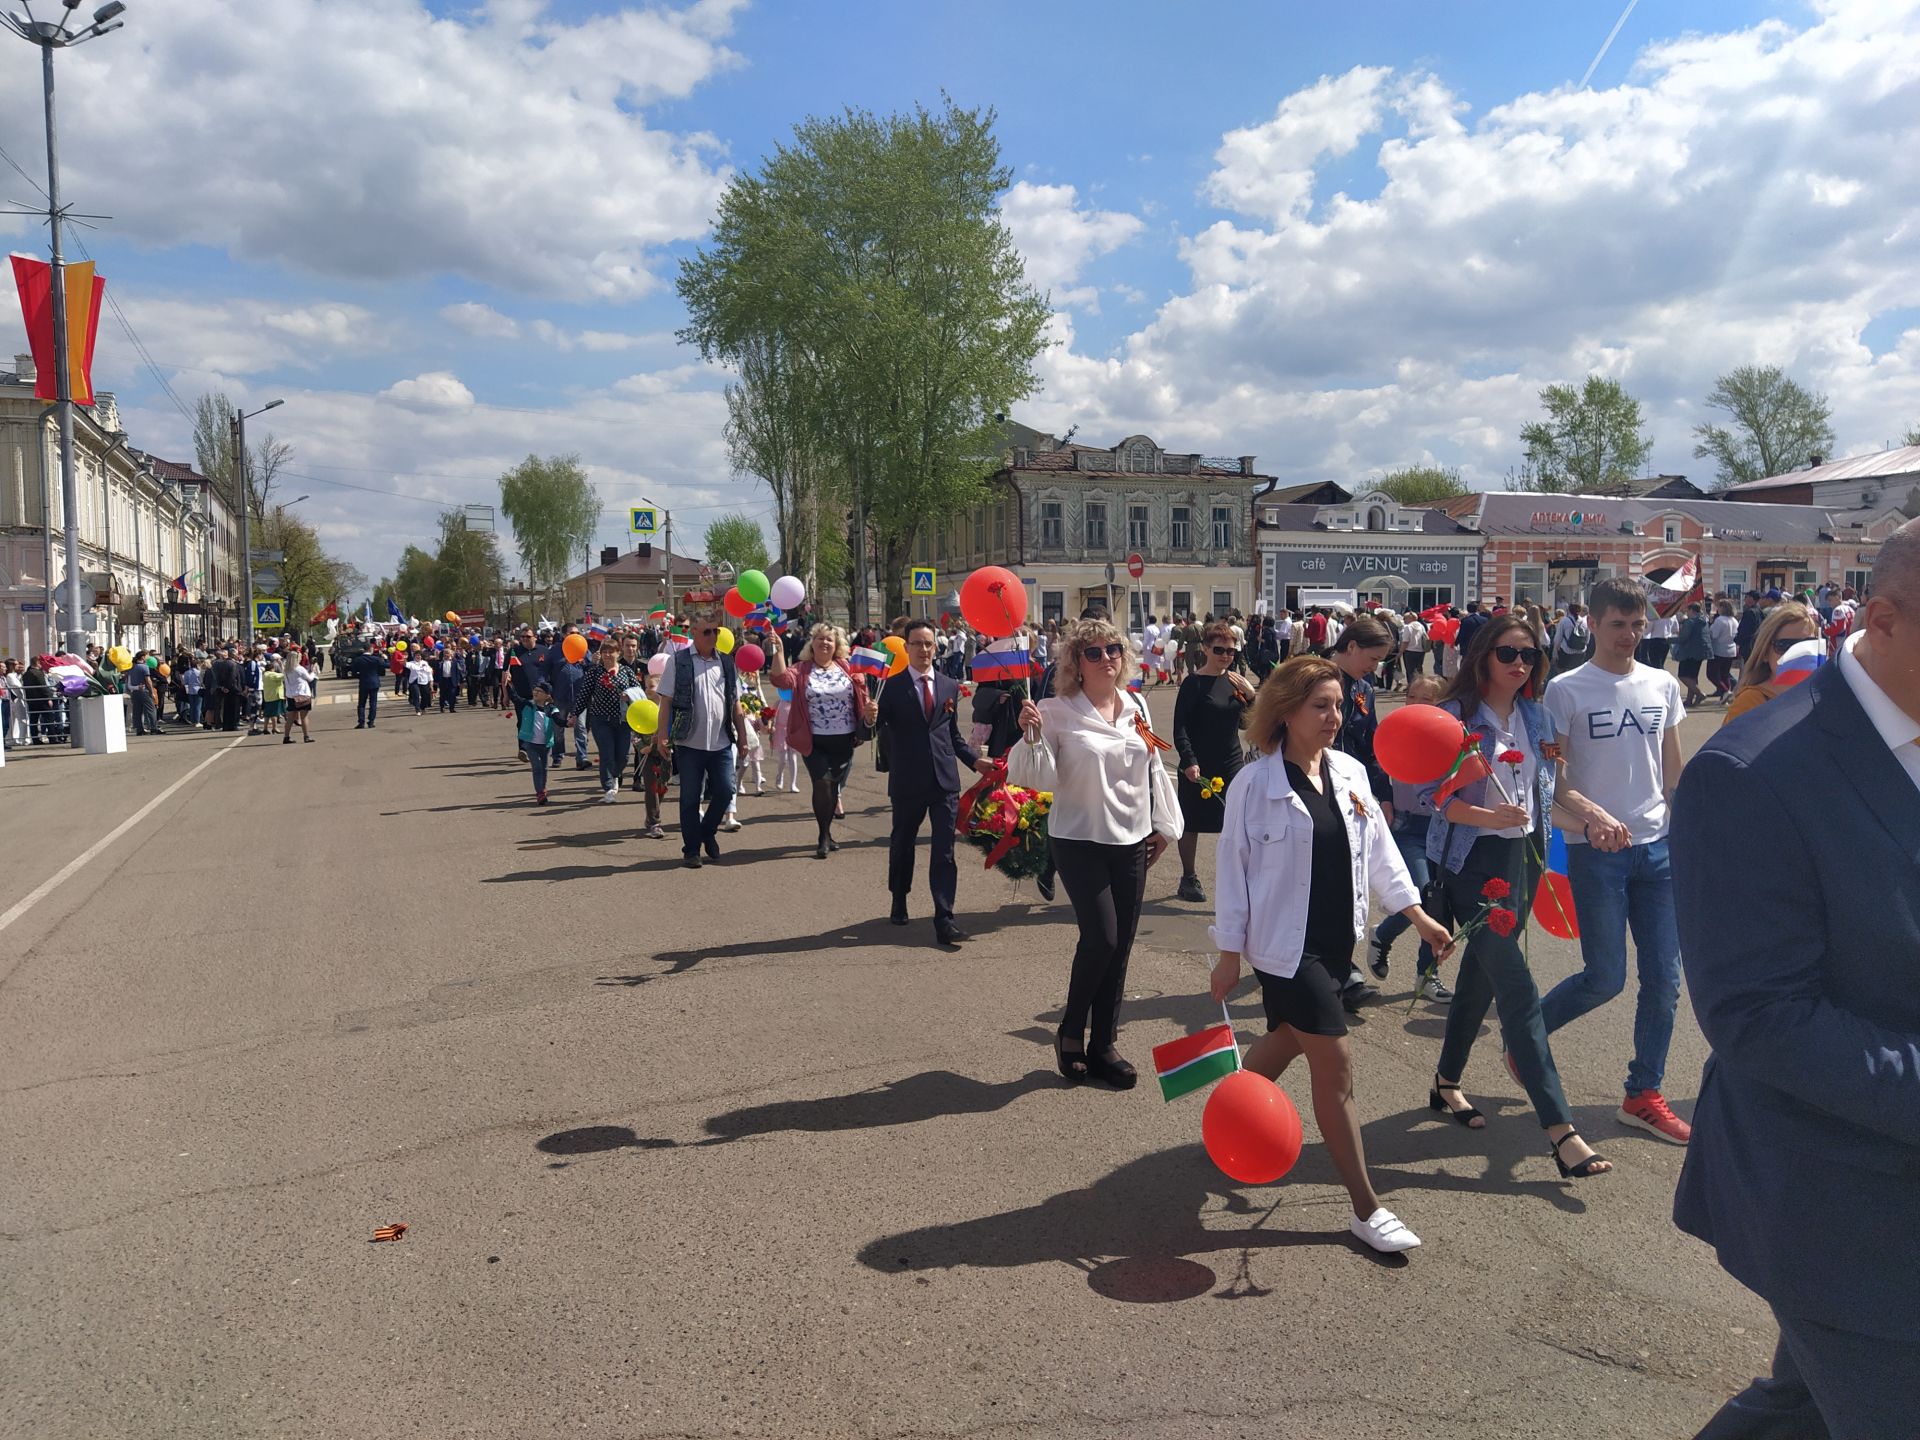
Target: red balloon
993	601
1251	1129
1417	744
748	659
737	605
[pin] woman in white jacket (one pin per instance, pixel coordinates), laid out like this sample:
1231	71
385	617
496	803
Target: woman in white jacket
1302	847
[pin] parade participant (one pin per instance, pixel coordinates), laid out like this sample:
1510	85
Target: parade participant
1207	716
368	667
917	725
540	720
1788	624
273	704
1691	649
479	656
786	767
1412	817
298	680
1413	645
450	673
652	768
1802	1175
397	664
1305	810
526	667
701	717
1572	639
604	700
146	719
1484	838
1618	723
823	720
192	679
1114	812
419	680
1356	651
226	690
1723	640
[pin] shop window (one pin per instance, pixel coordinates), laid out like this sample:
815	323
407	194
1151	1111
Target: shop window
1529	584
1053	605
1858	581
1733	580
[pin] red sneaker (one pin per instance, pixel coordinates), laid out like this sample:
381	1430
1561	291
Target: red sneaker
1649	1111
539	797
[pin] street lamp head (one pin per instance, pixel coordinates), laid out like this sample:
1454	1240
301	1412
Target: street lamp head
270	404
108	11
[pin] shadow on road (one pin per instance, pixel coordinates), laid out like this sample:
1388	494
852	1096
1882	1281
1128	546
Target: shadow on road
876	932
926	1096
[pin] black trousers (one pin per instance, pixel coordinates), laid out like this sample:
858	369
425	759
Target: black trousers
1105	884
943	875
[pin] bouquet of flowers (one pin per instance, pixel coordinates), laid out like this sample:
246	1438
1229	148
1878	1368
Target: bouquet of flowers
1008	823
1494	916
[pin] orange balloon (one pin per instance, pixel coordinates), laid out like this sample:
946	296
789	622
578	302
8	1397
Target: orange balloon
897	648
1251	1129
574	647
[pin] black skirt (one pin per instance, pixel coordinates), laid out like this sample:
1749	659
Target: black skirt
1309	999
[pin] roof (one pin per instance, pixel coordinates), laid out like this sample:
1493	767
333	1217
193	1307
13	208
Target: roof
1901	460
1671	487
1602	516
631	567
1290	494
1293	516
174	470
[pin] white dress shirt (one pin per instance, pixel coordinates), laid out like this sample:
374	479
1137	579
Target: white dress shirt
1101	774
1899	729
712	726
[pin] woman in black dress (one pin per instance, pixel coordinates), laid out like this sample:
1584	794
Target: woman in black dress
1206	733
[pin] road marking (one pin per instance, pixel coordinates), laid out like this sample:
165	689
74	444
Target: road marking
74	866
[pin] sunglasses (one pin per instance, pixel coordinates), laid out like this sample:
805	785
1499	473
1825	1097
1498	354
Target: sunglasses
1782	643
708	630
1507	654
1224	649
1103	652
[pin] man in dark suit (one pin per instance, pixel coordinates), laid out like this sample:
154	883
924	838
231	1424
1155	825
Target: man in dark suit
226	689
919	729
1804	1170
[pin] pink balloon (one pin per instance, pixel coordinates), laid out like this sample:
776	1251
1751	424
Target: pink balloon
748	658
657	666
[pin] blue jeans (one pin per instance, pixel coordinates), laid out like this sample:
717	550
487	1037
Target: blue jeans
1630	888
537	758
579	739
1410	836
614	740
713	771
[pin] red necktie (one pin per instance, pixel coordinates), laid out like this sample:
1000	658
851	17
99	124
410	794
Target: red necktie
929	697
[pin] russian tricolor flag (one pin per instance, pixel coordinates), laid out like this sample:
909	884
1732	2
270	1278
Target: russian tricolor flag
864	661
1800	662
1001	665
596	632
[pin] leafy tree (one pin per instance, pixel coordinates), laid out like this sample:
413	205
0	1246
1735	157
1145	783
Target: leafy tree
310	577
414	585
1778	425
737	541
772	433
1912	437
213	442
1590	443
466	567
1421	484
869	260
554	512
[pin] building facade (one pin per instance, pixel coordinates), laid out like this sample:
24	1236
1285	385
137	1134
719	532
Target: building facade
1876	482
1549	549
1065	518
1403	556
135	526
631	585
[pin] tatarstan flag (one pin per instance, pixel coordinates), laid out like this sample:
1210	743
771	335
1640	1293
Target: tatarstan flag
1196	1061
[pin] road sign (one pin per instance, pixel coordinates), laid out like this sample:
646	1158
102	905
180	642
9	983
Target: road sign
1136	567
267	557
643	520
269	614
34	607
923	579
267	578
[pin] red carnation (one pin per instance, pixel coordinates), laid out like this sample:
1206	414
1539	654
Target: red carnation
1512	757
1495	889
1502	921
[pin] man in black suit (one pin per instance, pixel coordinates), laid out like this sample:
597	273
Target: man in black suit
919	730
1804	1169
226	689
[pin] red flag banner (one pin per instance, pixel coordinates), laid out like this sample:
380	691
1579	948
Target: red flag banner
1678	589
331	611
86	293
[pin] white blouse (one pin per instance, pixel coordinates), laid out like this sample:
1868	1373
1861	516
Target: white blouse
1107	785
1507	738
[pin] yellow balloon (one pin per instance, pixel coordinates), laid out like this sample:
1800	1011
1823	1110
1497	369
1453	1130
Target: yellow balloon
897	648
120	658
400	645
643	716
723	642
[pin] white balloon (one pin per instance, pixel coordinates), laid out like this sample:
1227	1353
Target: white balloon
788	592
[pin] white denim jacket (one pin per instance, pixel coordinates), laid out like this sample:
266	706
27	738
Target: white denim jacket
1265	857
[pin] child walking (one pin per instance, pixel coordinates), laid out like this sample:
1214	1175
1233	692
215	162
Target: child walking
539	722
273	686
651	769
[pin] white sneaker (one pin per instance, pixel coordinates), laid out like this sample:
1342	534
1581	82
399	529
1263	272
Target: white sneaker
1383	1231
730	824
613	793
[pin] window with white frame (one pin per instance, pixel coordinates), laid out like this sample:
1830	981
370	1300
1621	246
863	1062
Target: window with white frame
1733	579
1223	527
1858	581
1053	605
1529	584
1096	525
1053	524
1137	526
1670	532
1180	532
1183	602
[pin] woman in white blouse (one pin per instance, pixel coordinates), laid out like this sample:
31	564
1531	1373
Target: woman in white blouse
1113	813
1303	846
821	720
299	680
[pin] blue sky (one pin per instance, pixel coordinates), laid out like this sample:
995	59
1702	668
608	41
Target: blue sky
1342	238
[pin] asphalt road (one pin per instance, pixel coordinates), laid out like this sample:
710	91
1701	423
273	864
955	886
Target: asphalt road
723	1153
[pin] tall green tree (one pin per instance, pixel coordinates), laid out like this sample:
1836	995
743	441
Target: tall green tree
310	577
1591	442
414	585
737	541
554	511
466	567
773	434
870	254
1421	484
213	443
1776	425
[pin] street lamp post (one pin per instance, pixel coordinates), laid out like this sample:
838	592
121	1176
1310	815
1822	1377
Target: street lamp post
667	516
244	468
52	35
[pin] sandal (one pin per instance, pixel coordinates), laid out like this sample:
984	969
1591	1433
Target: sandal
1109	1068
1073	1063
1584	1170
1466	1117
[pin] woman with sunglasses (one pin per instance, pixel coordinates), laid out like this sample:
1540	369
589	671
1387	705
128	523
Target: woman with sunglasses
1113	813
1786	626
1207	716
1483	835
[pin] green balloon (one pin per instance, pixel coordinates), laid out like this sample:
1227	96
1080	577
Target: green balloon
754	587
153	662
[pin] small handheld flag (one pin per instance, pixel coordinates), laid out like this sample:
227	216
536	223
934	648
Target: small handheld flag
1001	665
1195	1061
864	661
1800	662
393	611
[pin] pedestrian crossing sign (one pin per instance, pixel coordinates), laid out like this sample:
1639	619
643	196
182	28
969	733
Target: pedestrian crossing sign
269	614
923	579
642	520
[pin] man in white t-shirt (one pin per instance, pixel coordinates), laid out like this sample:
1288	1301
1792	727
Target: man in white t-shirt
1616	723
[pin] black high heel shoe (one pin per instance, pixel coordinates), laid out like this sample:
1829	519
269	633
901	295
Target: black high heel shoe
1466	1117
1585	1168
1073	1063
1107	1066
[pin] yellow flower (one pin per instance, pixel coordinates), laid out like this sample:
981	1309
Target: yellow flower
1023	824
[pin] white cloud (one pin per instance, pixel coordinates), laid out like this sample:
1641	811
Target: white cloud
370	138
435	390
599	341
481	321
1058	239
1267	169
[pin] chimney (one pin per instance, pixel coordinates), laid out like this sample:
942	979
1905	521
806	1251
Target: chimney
1246	464
23	369
609	554
1814	462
